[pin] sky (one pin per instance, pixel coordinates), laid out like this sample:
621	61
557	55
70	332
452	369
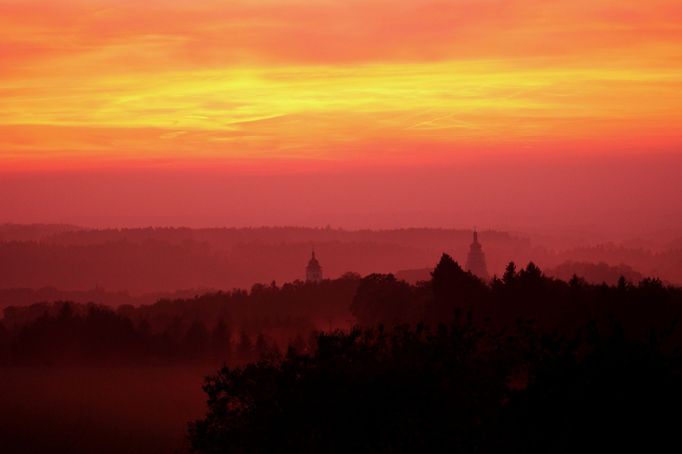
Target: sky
294	95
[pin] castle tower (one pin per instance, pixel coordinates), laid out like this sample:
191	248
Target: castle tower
476	259
313	272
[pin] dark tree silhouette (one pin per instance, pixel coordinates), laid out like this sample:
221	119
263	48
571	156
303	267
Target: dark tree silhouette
380	298
453	289
196	340
245	346
537	365
221	339
454	389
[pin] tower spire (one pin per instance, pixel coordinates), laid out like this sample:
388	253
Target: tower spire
313	272
476	259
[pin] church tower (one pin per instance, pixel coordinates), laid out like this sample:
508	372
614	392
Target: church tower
313	272
476	259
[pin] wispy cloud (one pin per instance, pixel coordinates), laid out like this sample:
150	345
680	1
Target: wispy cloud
335	79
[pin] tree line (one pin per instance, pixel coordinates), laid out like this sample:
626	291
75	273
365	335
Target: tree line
247	325
525	363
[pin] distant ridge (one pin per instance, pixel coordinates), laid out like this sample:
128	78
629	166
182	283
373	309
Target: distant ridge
33	232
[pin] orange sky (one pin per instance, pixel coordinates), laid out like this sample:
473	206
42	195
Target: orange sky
100	82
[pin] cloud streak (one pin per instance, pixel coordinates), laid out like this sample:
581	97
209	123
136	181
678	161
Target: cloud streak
106	80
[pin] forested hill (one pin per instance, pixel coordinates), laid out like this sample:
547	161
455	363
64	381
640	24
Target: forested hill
152	260
279	315
168	259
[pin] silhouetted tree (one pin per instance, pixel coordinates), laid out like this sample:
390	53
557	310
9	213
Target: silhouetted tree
220	341
453	289
245	346
4	345
510	275
261	347
196	340
298	344
380	298
455	389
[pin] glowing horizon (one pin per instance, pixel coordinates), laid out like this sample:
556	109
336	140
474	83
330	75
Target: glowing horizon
107	81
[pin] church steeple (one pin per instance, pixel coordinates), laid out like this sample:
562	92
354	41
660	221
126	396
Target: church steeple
476	259
313	272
